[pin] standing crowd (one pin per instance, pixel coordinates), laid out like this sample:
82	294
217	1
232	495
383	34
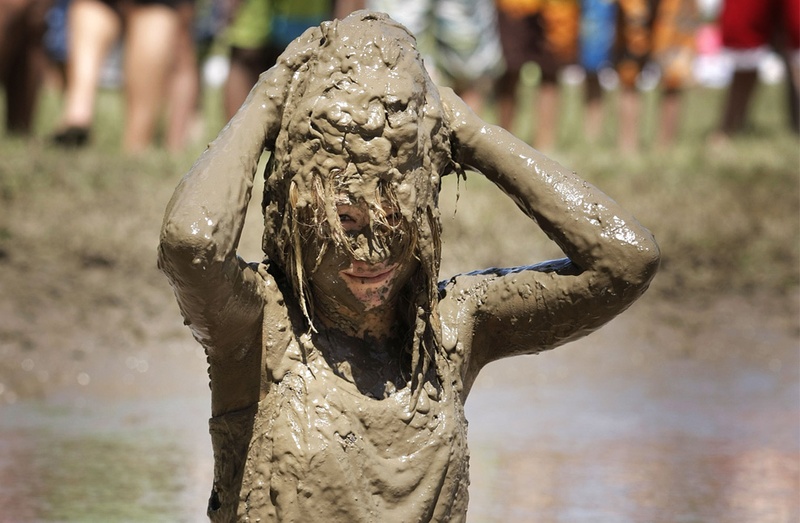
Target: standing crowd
483	49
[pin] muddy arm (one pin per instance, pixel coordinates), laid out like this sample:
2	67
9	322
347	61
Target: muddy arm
204	219
216	291
611	257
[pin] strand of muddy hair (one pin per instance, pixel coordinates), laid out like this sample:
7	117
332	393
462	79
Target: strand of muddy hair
299	277
426	338
419	363
434	338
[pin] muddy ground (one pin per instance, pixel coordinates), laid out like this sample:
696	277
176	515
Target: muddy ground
683	409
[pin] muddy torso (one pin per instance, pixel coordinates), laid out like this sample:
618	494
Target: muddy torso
321	446
349	109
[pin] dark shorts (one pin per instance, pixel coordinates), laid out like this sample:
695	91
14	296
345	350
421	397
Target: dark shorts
119	4
547	37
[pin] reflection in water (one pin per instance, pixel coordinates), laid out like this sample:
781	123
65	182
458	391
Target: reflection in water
113	477
112	463
682	479
595	432
18	482
763	486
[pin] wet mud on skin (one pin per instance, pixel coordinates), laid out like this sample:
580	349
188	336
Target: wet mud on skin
352	119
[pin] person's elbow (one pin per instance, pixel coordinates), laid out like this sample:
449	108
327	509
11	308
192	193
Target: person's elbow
186	246
636	265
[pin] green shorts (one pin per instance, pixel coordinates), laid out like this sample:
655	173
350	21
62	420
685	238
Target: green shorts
262	23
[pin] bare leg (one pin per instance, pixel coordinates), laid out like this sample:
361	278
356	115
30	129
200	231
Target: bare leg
629	119
473	95
474	92
594	109
185	84
152	35
93	29
343	8
22	60
738	101
547	125
506	92
246	65
793	89
669	118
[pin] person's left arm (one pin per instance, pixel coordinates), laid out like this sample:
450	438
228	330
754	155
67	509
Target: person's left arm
611	258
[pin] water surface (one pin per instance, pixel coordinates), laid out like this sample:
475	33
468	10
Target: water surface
638	422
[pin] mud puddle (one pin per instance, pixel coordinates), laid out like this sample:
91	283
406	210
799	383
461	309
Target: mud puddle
660	416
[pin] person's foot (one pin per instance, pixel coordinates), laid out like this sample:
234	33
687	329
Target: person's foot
72	136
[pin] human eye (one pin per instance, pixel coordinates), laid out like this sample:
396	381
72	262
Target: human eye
394	218
347	217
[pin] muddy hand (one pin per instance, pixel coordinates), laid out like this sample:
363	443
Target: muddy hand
464	124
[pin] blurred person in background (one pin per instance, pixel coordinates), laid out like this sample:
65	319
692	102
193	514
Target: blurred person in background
458	39
183	95
258	33
23	60
672	55
749	29
544	32
614	44
669	68
55	41
156	54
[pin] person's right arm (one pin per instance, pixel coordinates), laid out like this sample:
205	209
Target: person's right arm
205	216
221	297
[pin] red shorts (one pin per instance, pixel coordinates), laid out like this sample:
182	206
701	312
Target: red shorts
748	24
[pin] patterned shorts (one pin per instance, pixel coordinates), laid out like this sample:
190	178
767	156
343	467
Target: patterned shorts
460	36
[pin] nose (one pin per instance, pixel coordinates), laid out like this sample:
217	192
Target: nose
370	248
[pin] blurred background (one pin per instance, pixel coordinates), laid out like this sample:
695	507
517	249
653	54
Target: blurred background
685	408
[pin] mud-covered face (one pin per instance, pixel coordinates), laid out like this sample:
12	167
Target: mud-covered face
370	268
361	118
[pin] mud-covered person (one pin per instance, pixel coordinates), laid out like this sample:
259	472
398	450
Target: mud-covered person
339	365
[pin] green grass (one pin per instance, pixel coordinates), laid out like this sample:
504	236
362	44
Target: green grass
109	479
727	217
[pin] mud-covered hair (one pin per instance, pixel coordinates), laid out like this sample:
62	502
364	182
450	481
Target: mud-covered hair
362	117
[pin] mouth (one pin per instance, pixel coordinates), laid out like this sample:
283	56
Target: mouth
369	277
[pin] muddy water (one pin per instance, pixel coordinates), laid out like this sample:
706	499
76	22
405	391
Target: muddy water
607	431
635	423
127	442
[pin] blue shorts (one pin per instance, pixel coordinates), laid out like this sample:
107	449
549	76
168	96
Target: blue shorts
598	34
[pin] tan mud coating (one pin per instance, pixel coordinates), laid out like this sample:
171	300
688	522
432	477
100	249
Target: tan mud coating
324	410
